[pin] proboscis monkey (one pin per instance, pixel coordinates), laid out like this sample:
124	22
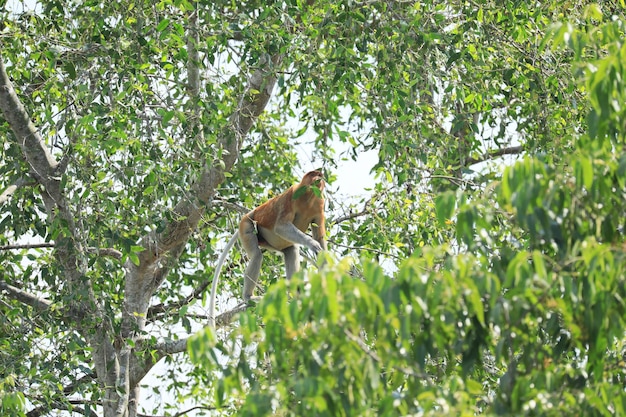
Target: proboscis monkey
279	225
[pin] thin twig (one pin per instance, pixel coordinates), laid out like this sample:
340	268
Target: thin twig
364	211
511	150
182	413
361	249
232	206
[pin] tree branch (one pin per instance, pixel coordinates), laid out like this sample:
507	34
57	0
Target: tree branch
364	249
364	211
511	150
153	311
56	405
110	252
42	163
189	211
67	390
193	69
140	366
179	346
232	206
226	317
43	167
182	413
10	190
27	246
39	304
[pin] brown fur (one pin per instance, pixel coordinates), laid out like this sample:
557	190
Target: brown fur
306	210
279	224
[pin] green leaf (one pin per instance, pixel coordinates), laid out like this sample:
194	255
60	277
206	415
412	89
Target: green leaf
163	24
584	172
477	305
330	286
593	11
540	267
474	387
134	258
300	191
444	206
167	116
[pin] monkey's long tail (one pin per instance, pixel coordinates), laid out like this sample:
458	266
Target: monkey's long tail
218	268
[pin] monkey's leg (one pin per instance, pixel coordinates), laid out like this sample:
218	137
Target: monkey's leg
250	242
292	260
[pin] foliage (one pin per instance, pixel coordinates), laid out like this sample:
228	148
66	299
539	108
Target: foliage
527	319
483	285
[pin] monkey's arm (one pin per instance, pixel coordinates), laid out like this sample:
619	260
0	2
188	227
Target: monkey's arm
291	233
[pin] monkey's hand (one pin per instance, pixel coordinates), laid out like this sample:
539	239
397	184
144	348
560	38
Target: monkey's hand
315	247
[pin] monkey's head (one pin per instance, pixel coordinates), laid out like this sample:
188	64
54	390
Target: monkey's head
313	178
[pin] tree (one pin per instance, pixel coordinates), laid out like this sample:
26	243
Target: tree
136	130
